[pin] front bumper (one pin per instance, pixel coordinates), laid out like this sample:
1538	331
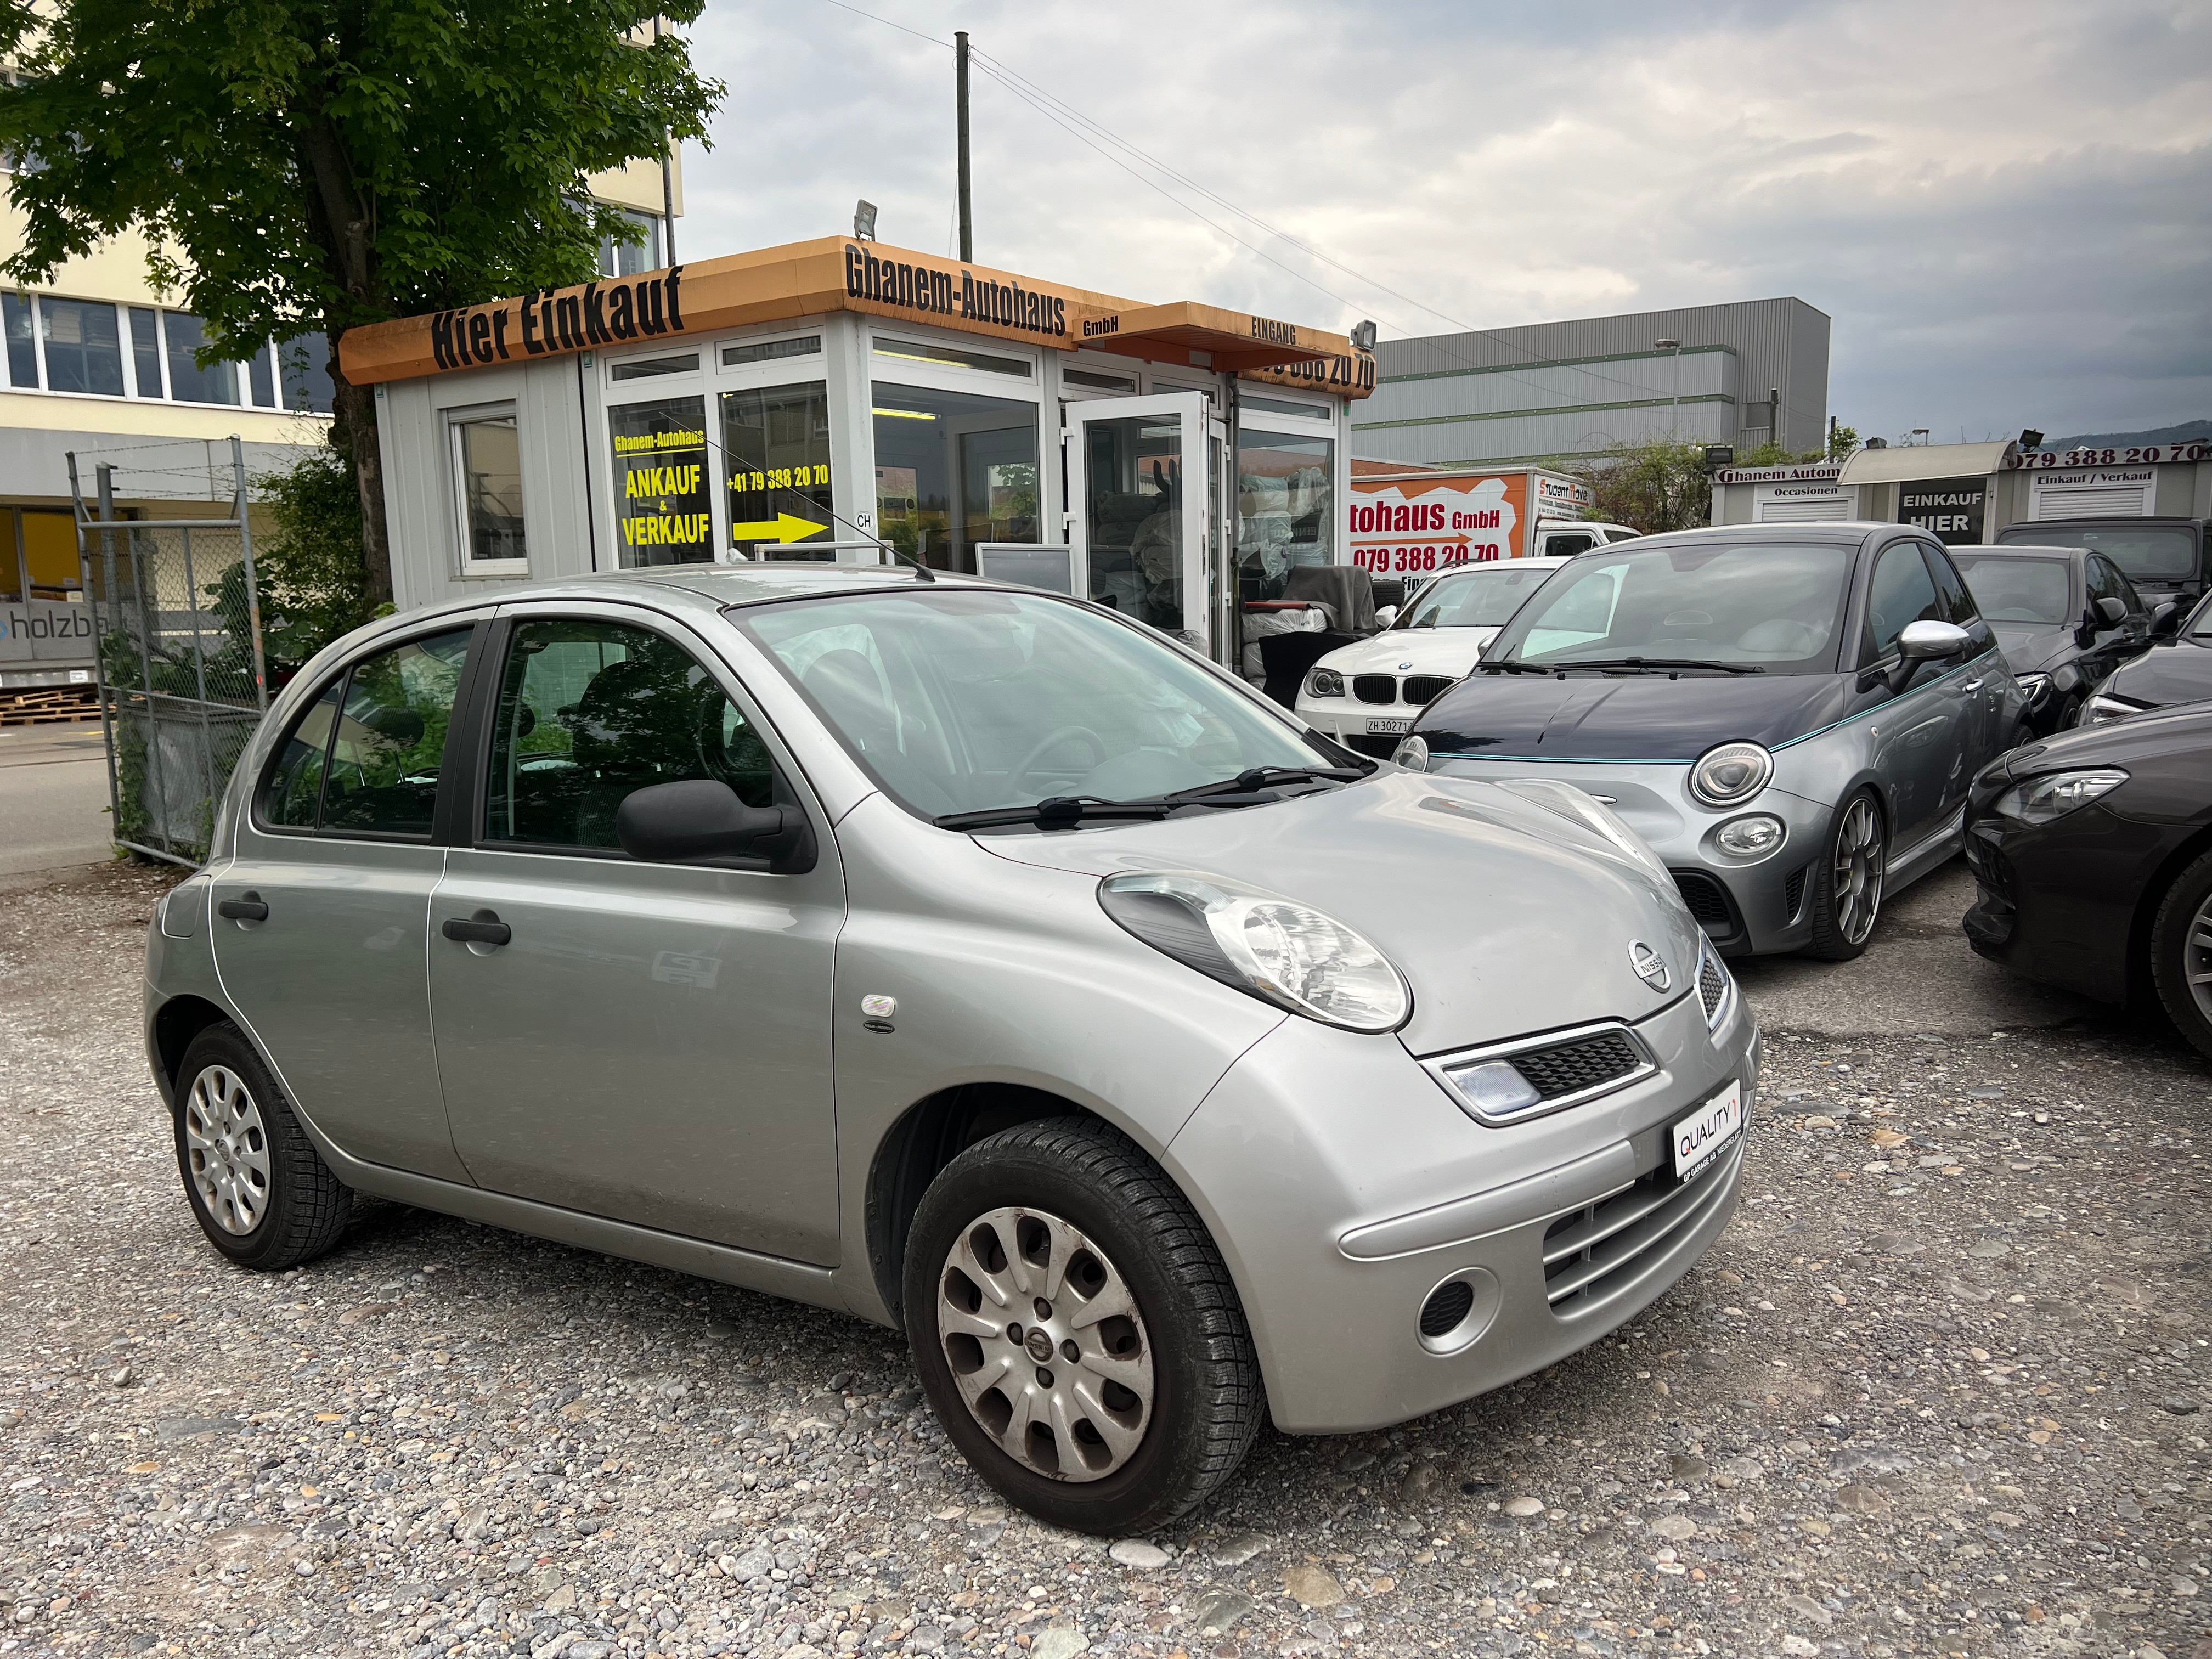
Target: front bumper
2056	902
1344	1186
1346	719
1747	907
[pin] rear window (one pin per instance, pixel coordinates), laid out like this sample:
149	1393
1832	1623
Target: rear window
2021	590
2160	552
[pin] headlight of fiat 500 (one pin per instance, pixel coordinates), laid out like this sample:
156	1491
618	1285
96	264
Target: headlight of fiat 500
1264	944
1324	683
2040	800
1731	773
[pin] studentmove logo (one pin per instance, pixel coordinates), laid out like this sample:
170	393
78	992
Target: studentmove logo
937	293
560	319
62	622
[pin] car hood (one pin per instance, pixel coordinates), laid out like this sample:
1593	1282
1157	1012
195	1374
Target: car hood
1412	651
2171	671
1504	917
1626	716
2155	735
2030	646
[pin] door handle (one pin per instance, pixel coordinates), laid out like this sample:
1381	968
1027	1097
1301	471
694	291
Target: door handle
246	907
1971	685
483	928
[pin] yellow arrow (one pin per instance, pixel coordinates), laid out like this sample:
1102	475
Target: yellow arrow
784	527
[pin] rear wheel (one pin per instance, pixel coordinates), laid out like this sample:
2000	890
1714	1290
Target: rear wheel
260	1190
2181	953
1075	1329
1847	891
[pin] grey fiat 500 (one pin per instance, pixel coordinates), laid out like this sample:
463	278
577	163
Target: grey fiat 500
1790	715
969	959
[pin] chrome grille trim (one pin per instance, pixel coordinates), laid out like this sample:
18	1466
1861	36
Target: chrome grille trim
1593	1255
1440	1066
1716	985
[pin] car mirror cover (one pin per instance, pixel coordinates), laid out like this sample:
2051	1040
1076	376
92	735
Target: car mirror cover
697	819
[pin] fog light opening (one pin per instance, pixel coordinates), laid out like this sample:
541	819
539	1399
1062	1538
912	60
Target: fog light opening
1458	1311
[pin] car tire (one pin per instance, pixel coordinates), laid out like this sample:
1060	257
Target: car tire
1072	1206
1847	886
260	1191
2181	953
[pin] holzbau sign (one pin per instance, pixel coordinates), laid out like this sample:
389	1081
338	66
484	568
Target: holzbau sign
807	279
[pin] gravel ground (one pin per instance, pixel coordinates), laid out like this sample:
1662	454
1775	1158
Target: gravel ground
1937	1391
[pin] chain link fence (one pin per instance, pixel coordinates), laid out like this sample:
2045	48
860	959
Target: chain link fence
182	677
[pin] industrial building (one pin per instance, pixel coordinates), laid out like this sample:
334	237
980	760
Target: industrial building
1740	374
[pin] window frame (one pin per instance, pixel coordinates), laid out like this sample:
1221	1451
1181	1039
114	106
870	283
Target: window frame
342	678
473	798
466	564
1884	664
1939	560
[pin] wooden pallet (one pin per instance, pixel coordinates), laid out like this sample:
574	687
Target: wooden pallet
49	705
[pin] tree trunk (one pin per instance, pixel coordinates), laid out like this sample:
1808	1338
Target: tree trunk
354	407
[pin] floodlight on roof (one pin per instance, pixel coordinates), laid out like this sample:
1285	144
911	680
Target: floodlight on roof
864	220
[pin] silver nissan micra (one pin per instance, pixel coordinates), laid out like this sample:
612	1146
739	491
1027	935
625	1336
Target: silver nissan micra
971	959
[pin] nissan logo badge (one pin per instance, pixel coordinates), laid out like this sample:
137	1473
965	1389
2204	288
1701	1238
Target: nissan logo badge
1650	967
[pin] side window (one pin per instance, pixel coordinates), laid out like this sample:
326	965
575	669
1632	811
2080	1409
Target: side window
1958	601
390	737
292	792
1565	546
2106	583
591	710
1901	591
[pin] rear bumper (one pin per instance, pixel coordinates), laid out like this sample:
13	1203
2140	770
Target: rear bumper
1345	1187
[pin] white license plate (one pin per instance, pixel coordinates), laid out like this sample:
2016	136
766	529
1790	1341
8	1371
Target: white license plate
1380	726
1699	1137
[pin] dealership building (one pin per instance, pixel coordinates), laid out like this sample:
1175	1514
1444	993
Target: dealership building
1739	374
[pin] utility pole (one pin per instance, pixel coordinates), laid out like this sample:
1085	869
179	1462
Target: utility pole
960	82
667	186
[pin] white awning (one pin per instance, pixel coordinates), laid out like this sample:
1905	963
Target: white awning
1875	466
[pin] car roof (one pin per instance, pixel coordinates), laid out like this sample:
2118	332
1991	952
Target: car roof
2106	522
757	584
1853	531
2021	549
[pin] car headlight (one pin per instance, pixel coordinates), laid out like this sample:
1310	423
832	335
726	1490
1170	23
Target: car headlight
1579	807
1264	944
1731	773
2054	795
1413	754
2101	708
2032	686
1751	837
1324	683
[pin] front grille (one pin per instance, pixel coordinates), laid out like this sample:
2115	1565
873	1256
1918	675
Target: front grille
1595	1254
1573	1067
1793	893
1422	689
1375	688
1712	986
1708	901
1447	1305
1360	742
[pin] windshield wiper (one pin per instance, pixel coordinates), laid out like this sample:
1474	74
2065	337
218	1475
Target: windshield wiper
1254	779
1660	664
1508	665
1057	812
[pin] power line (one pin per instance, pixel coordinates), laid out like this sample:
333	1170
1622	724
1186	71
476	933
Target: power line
887	23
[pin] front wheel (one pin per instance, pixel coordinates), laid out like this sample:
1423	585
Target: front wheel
2181	953
1077	1331
1847	890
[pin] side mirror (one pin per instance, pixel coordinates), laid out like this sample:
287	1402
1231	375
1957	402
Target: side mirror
2165	621
2111	612
1386	615
701	819
1927	641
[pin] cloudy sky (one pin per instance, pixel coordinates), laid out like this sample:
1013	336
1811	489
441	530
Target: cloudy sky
2006	209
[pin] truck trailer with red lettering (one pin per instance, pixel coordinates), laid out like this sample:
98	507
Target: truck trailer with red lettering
1415	522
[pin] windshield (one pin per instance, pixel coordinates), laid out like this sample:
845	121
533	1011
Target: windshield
2160	552
1777	606
2019	589
960	700
1476	599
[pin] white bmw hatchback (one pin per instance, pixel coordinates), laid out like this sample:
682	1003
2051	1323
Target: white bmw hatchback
1368	694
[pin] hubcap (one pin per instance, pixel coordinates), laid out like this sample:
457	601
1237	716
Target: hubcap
227	1147
2197	957
1859	862
1046	1344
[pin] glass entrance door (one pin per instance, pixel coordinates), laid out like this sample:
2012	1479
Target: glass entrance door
1139	505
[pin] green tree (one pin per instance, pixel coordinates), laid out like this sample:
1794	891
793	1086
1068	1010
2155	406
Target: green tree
1654	486
305	166
1843	441
312	586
